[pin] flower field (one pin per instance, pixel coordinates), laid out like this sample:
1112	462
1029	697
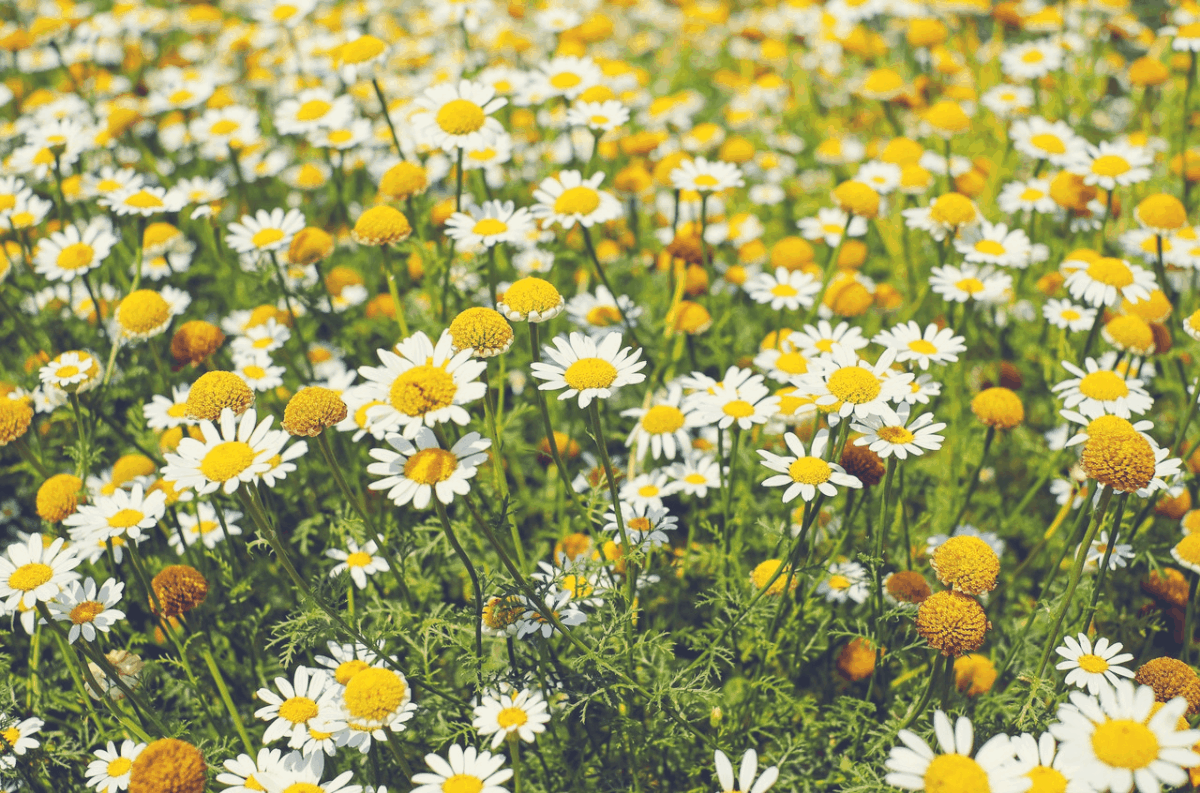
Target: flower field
459	396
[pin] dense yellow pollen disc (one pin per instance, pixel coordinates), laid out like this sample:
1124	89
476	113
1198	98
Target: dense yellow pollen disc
30	576
430	466
511	717
126	518
75	256
1051	144
1104	386
923	347
662	419
298	710
738	408
460	117
266	237
810	471
421	390
854	384
1124	743
577	201
590	373
358	559
312	110
1111	272
143	200
895	435
227	460
1110	165
86	612
489	227
1093	663
955	773
990	247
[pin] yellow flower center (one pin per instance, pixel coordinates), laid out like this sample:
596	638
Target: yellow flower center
990	248
119	767
603	316
810	471
738	408
953	209
895	435
422	389
460	117
791	363
30	576
1032	194
126	518
1047	780
489	227
1070	314
590	373
11	736
430	466
922	346
303	787
1093	664
75	256
462	783
266	237
1051	144
511	717
298	710
1125	743
313	109
143	200
564	80
784	290
577	201
1033	56
705	180
358	559
227	460
695	479
1111	272
839	582
970	285
1110	165
255	372
955	773
143	311
348	669
281	13
1104	386
223	127
662	419
854	384
648	491
364	48
86	611
374	694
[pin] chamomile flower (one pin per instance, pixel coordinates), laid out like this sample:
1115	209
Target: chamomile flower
599	116
895	434
35	571
420	469
804	473
830	225
703	176
784	290
67	254
934	345
311	110
970	282
246	774
646	490
358	562
88	608
1112	165
204	527
995	243
850	385
534	623
695	475
123	513
423	385
568	198
144	201
265	231
459	116
1067	315
1032	195
739	398
1107	281
1118	741
747	771
663	427
1093	667
646	524
306	772
1055	142
309	699
1097	391
110	771
816	339
499	715
1118	556
480	772
589	369
845	581
234	451
495	222
916	766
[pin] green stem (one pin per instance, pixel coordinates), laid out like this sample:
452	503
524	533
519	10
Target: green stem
478	590
551	441
223	690
626	548
387	116
389	274
987	445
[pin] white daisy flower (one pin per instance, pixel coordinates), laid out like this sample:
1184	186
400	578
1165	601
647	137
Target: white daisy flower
123	513
305	771
1067	315
420	469
1043	765
236	451
144	201
1120	555
246	774
499	715
599	116
741	398
845	581
598	313
359	562
1107	281
422	386
66	254
1093	667
1112	165
969	282
852	385
806	473
1098	392
204	527
916	766
704	176
568	198
646	490
747	771
695	475
813	340
311	110
533	623
481	772
498	221
1117	744
87	608
995	243
830	224
1032	195
459	116
35	571
933	346
894	434
789	290
588	369
111	769
265	231
308	700
1040	139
